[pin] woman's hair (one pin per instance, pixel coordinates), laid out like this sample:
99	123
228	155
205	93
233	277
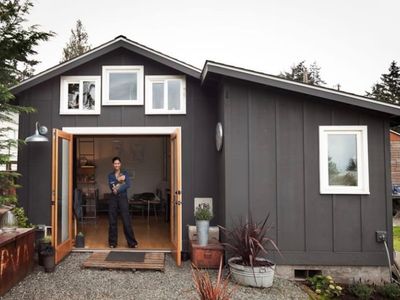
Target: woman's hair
116	158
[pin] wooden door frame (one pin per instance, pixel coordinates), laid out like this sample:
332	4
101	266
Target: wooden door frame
65	247
176	173
138	131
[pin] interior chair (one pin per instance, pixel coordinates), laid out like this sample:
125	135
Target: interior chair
150	199
137	204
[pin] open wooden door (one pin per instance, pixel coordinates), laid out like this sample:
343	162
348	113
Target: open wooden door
176	196
61	194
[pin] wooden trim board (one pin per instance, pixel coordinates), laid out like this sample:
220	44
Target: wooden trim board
152	261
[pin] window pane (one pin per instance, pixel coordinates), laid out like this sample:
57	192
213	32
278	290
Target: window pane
89	96
342	159
174	94
73	95
123	86
158	95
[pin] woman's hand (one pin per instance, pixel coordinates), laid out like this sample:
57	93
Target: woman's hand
121	178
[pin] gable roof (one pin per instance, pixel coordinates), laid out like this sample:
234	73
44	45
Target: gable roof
118	42
210	67
291	85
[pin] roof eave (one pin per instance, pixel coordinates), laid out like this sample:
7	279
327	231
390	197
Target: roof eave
264	79
119	42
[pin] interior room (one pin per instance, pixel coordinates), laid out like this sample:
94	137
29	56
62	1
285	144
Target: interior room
147	161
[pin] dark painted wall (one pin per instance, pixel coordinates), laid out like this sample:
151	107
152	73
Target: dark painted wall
271	151
269	162
199	156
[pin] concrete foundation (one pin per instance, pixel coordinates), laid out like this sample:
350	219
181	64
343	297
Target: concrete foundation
341	274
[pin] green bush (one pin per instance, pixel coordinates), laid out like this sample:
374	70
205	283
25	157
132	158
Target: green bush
203	212
361	290
325	286
390	291
19	213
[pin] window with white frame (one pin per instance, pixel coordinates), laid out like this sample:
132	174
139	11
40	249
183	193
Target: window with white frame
80	95
165	95
343	160
122	85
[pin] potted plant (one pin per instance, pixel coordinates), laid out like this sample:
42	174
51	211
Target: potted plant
203	215
247	244
80	240
48	259
43	244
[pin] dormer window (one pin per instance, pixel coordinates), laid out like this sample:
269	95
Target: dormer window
122	85
165	95
80	95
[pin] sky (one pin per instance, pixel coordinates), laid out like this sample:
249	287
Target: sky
353	41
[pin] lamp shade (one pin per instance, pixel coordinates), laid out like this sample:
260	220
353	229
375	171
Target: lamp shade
36	137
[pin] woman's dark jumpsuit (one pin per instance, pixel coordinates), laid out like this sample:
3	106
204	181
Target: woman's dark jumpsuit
119	201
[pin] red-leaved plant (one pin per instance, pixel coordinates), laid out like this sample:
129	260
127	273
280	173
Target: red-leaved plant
205	287
248	240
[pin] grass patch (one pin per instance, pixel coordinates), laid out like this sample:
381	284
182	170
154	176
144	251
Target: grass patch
396	238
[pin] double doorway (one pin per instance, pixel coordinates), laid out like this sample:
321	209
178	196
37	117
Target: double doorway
155	224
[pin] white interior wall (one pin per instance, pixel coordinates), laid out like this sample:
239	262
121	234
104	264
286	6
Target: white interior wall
141	156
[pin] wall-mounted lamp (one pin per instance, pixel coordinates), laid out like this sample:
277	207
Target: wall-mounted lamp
38	136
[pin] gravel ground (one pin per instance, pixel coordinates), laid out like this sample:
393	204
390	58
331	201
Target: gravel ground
69	281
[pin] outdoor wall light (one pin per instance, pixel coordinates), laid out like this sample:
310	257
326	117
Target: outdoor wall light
38	136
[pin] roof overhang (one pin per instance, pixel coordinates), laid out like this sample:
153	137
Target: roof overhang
118	42
211	67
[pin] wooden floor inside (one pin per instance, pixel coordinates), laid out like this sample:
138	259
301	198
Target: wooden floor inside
154	261
151	234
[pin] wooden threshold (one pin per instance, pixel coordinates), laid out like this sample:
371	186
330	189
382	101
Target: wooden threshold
152	261
80	250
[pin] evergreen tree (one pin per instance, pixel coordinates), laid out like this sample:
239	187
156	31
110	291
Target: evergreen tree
302	73
388	89
16	63
78	43
352	165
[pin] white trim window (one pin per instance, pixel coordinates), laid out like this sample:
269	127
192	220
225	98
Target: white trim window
165	95
123	85
80	95
343	152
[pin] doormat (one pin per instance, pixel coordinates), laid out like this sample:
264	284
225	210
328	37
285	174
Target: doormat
125	256
152	260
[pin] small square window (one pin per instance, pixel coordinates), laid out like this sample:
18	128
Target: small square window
343	160
122	85
165	95
80	95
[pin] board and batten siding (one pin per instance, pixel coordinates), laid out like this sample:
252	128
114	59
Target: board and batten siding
271	165
199	156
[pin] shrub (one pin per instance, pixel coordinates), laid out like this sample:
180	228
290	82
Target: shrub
203	212
390	291
249	240
46	239
206	289
22	219
325	286
361	290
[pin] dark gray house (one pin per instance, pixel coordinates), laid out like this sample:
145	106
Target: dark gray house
316	159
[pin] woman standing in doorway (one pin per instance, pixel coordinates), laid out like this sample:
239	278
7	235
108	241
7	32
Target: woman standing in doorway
119	183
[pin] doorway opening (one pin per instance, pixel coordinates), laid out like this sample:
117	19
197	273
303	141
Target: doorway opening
147	159
65	175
